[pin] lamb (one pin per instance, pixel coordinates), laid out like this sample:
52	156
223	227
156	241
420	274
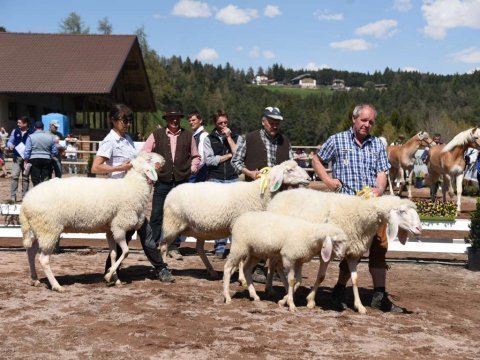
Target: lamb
358	217
207	210
263	234
94	205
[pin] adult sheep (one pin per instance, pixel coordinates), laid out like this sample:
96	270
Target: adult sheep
208	210
286	240
359	218
93	206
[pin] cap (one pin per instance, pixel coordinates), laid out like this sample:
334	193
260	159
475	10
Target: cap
55	123
273	113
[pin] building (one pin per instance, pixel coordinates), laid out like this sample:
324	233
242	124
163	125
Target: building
304	81
338	85
261	79
80	76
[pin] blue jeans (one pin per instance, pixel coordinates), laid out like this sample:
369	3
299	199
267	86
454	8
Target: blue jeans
221	244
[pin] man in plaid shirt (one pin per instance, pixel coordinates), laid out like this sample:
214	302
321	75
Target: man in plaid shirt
358	160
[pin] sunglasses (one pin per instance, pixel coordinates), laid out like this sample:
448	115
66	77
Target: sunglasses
125	121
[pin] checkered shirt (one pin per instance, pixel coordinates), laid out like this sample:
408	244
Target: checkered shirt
353	165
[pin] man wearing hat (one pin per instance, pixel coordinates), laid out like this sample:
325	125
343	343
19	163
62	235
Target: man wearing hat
261	148
179	149
57	159
39	150
18	135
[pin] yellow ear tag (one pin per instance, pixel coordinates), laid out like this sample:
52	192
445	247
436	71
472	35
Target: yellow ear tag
264	179
366	192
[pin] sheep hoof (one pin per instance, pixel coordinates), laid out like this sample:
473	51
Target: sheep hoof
35	283
362	310
256	298
228	300
292	308
282	302
58	288
243	283
311	304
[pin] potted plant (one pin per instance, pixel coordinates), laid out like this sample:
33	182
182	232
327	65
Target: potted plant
474	239
419	179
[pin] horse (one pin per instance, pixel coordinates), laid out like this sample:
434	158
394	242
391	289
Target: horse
448	161
402	160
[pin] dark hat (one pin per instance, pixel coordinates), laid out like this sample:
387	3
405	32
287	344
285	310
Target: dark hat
273	113
172	111
38	125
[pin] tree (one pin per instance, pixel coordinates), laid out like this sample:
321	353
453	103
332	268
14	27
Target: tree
104	26
2	29
73	24
142	39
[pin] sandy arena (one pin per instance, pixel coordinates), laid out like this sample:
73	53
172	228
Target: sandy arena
147	319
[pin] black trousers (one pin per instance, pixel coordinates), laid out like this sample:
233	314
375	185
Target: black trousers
148	244
41	170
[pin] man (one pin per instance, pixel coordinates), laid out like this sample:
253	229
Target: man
39	150
179	149
261	148
220	146
199	134
359	159
18	135
57	159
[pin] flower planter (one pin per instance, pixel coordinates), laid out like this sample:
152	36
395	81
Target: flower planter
473	258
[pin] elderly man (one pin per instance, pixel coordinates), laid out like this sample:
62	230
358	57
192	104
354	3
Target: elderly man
261	148
57	159
358	160
17	137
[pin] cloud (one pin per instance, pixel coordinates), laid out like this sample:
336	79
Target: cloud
272	11
351	45
254	52
327	15
469	56
402	5
409	69
232	15
378	29
311	66
207	54
442	15
267	54
191	9
239	48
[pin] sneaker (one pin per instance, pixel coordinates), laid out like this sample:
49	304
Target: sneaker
258	275
381	302
175	254
164	275
337	300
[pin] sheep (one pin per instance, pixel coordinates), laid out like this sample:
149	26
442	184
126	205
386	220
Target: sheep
263	234
359	218
86	205
207	210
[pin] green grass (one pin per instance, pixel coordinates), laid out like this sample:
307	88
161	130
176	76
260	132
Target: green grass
323	90
437	218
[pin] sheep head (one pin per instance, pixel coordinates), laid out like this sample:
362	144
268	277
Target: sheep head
287	173
148	163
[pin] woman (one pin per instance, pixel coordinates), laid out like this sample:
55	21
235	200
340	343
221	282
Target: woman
113	158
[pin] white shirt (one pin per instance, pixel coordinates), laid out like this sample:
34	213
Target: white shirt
117	150
201	147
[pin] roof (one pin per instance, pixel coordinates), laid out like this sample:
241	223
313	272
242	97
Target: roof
300	77
61	63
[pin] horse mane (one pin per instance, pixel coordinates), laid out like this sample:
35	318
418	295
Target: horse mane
460	139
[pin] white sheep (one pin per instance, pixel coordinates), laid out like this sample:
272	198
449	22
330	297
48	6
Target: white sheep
207	210
86	205
283	239
359	218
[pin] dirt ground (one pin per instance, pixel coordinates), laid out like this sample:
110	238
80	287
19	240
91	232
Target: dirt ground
147	319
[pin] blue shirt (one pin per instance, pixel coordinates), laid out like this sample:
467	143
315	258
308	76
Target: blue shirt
40	145
354	165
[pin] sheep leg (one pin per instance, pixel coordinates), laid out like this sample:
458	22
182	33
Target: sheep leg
296	284
32	253
322	270
228	269
241	274
248	268
357	303
113	252
291	271
45	262
123	245
201	252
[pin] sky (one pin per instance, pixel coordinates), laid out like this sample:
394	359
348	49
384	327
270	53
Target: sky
434	36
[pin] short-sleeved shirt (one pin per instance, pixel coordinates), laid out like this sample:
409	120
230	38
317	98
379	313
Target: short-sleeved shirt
117	150
354	165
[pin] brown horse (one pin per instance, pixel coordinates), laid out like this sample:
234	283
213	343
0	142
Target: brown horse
448	161
402	160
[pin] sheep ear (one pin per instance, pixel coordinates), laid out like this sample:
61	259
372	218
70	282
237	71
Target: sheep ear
276	178
327	248
392	229
150	172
